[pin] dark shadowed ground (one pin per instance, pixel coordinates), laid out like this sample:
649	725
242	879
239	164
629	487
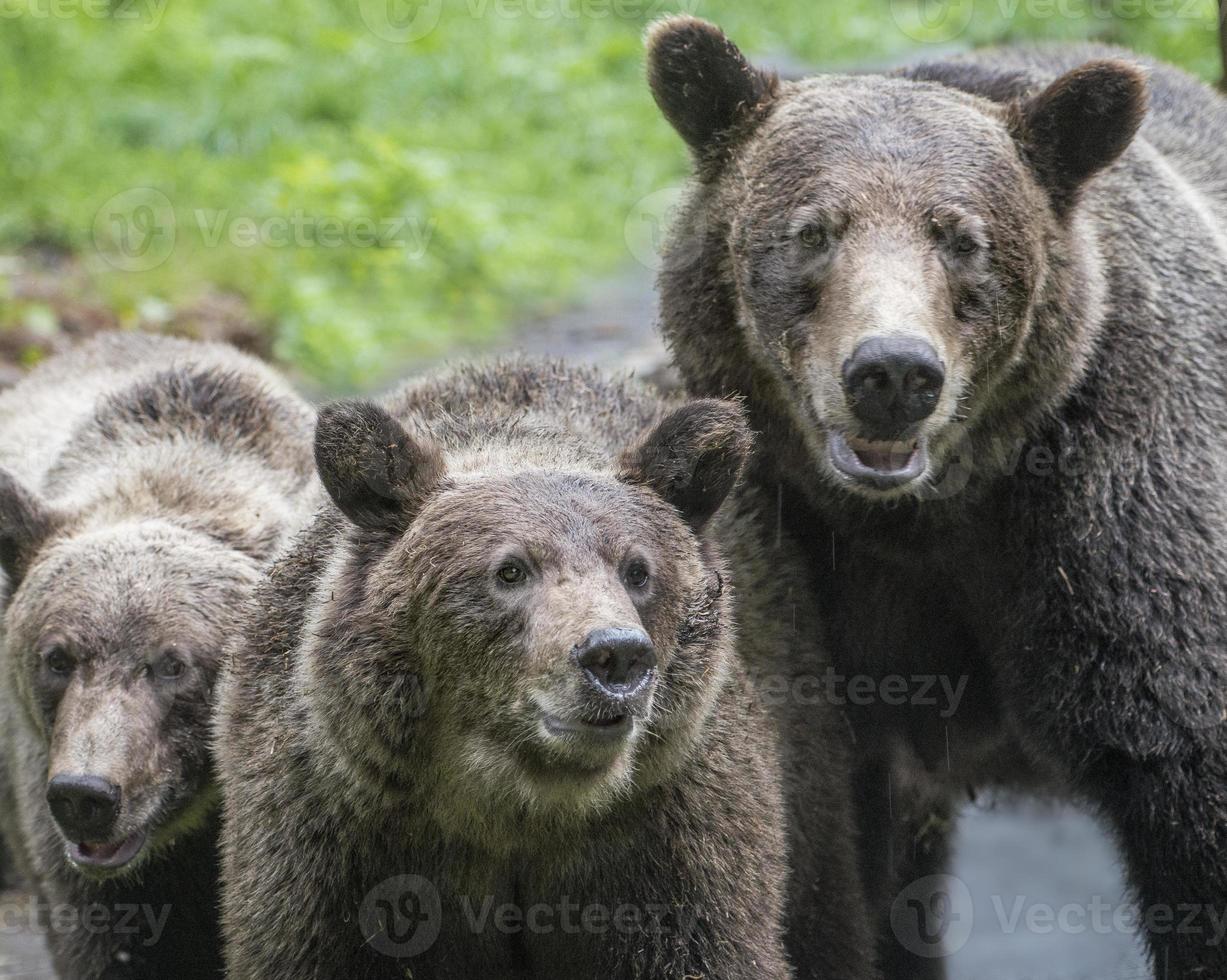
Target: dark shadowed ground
1036	890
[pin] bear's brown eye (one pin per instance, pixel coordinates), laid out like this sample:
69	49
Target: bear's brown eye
511	573
637	575
59	661
169	666
813	237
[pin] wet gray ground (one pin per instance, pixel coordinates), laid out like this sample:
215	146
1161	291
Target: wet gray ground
1036	890
22	953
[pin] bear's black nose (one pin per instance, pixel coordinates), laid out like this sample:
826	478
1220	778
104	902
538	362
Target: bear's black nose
85	807
617	660
892	382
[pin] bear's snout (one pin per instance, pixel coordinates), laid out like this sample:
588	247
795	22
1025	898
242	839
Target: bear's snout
893	382
85	807
618	663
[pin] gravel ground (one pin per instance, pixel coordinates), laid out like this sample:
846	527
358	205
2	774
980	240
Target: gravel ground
1019	869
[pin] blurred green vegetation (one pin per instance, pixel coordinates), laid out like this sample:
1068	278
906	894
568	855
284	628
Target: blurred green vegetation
423	190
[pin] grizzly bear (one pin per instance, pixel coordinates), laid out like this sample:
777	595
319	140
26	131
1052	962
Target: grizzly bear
144	481
490	718
976	309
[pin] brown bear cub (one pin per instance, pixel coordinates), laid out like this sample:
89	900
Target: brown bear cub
144	483
491	720
976	309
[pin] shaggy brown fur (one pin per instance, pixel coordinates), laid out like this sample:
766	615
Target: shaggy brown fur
144	483
392	710
1062	548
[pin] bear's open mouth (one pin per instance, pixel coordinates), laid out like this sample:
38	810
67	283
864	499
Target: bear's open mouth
615	727
107	856
881	465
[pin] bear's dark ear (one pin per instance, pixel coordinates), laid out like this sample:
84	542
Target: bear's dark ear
703	83
375	472
692	458
25	523
1080	124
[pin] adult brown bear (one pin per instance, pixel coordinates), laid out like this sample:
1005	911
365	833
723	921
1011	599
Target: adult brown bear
977	311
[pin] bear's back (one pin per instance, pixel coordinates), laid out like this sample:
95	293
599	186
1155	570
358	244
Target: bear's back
42	414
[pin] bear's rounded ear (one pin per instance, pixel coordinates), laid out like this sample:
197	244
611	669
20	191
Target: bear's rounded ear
692	458
703	84
377	474
25	523
1080	124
